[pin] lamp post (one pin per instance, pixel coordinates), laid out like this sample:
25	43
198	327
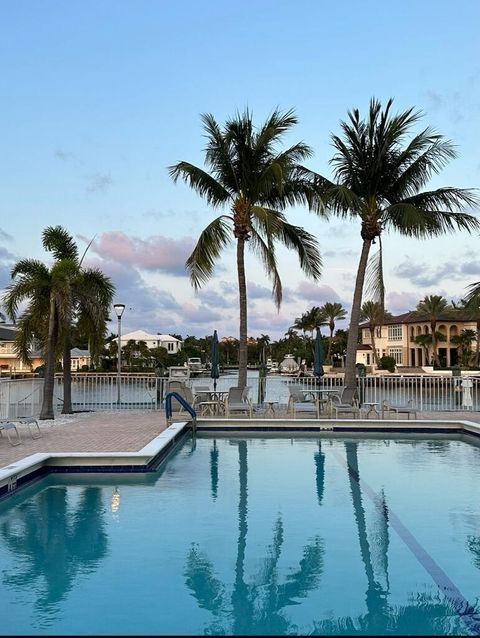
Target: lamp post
119	308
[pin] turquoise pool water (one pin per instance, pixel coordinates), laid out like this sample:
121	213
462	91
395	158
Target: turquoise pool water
252	536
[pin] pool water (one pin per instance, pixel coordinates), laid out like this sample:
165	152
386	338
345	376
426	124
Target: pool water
252	536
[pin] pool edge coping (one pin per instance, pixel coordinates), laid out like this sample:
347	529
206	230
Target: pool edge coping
27	469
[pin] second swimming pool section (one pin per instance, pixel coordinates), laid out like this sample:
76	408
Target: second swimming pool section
253	536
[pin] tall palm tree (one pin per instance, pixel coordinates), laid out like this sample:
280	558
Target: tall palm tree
330	313
257	181
432	307
380	168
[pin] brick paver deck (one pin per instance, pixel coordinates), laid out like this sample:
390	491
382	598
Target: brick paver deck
127	431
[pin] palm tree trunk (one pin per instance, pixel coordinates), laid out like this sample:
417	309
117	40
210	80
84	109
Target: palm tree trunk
436	361
477	347
47	404
330	342
67	376
350	377
374	350
242	292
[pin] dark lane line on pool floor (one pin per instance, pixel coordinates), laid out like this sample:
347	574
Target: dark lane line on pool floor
460	604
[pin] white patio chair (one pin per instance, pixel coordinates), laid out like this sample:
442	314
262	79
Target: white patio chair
8	427
237	402
346	403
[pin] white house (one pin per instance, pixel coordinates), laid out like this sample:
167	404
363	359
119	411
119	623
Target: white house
171	344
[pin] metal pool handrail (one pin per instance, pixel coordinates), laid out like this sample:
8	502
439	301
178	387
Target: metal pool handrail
184	403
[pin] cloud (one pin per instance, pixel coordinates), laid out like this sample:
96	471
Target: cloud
399	302
5	236
98	182
344	254
214	299
155	254
422	275
316	294
199	315
254	291
63	155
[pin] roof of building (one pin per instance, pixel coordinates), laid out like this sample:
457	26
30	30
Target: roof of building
141	335
412	316
77	352
7	332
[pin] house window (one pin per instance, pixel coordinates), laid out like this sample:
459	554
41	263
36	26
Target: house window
396	353
170	347
378	332
395	333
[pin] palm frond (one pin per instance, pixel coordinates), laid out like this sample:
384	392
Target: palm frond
210	244
60	243
266	252
201	182
374	281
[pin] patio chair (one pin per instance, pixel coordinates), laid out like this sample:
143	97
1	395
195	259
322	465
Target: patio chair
185	392
32	425
388	408
298	402
237	402
8	427
345	403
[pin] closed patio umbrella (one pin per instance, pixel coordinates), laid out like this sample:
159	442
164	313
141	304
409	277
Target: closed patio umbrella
215	358
318	362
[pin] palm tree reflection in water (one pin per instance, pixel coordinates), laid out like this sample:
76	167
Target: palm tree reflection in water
258	607
255	607
53	546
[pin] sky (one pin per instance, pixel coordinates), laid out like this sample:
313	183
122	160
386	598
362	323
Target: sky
100	97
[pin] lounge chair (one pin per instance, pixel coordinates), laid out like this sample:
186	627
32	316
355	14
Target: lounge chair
9	427
388	408
237	402
298	403
345	403
32	425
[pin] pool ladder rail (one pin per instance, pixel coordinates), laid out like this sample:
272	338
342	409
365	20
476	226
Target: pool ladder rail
184	403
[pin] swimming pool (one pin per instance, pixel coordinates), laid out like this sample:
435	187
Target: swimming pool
285	535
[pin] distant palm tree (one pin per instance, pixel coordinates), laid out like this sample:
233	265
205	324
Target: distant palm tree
431	308
374	313
257	181
329	314
308	321
471	307
464	342
378	177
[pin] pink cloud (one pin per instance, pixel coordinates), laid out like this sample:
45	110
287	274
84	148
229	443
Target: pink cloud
156	253
399	302
318	294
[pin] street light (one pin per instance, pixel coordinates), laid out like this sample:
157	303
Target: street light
119	308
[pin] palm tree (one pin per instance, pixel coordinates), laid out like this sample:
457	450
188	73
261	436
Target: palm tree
54	298
432	307
378	177
464	342
257	181
330	313
45	291
471	306
374	313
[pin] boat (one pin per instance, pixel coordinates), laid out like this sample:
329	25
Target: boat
289	365
195	365
272	366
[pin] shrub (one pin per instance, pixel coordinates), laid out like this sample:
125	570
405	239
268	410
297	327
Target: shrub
387	363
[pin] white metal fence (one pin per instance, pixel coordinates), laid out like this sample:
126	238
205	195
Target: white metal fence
96	392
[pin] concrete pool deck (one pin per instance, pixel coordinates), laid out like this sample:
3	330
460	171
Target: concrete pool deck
111	433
